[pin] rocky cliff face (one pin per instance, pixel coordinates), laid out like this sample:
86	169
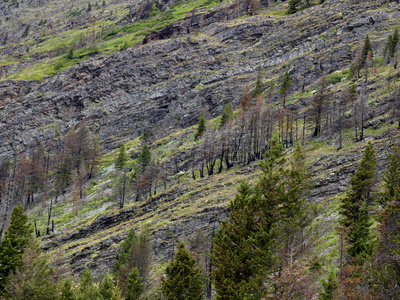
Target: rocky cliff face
153	85
199	63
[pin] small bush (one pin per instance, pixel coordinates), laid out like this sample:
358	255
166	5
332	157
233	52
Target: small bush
70	54
124	46
337	76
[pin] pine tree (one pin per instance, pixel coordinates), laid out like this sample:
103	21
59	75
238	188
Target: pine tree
125	251
359	236
135	252
144	157
183	279
366	48
292	6
89	8
134	285
70	54
385	265
107	288
13	245
286	82
33	278
360	187
391	46
201	128
391	177
261	221
88	290
226	114
237	262
259	85
122	158
329	287
64	174
26	32
67	291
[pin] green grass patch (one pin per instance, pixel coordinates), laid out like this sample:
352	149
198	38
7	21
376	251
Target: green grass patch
114	39
338	76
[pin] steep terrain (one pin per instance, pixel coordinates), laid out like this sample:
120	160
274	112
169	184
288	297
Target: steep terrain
158	88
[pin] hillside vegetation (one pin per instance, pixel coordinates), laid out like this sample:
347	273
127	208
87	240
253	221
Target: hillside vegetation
130	131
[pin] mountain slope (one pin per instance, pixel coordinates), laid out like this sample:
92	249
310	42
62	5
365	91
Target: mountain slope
158	89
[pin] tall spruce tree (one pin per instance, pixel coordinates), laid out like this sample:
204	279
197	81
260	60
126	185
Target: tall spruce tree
135	252
33	279
107	287
385	267
88	290
201	128
293	6
391	46
259	85
286	82
13	245
366	48
122	158
391	177
329	287
144	157
64	174
245	246
124	253
67	290
359	236
134	286
226	114
360	187
183	279
236	259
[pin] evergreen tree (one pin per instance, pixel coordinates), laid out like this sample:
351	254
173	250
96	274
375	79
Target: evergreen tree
391	46
293	6
88	290
183	279
359	236
261	221
124	253
33	278
134	285
385	268
122	158
259	85
107	288
286	82
135	252
328	287
226	114
144	157
360	187
201	128
67	291
64	174
13	245
366	48
237	262
26	32
89	7
104	3
391	177
70	54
